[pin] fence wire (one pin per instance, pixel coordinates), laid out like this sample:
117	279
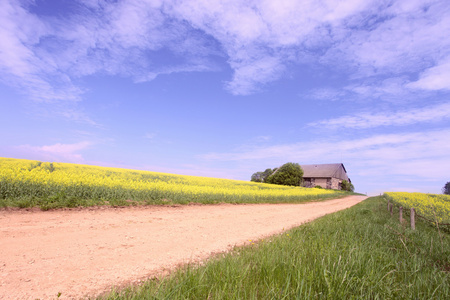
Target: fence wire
407	212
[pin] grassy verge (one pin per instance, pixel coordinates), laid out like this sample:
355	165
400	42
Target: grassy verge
358	253
63	200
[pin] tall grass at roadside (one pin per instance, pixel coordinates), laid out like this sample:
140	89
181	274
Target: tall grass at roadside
358	253
26	183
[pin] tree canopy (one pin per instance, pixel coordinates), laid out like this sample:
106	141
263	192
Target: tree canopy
262	176
288	174
446	189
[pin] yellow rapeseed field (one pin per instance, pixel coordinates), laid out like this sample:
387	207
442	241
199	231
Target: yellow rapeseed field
431	206
34	183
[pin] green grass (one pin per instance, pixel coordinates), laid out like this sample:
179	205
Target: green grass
358	253
61	200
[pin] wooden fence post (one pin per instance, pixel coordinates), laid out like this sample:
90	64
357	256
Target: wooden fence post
413	218
392	210
389	204
401	214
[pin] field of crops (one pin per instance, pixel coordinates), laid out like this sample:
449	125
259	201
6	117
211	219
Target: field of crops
27	183
430	206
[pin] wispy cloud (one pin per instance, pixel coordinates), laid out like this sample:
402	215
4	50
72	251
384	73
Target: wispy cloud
397	37
22	65
150	135
363	38
250	74
418	154
56	152
434	78
400	118
262	138
75	114
193	170
261	40
126	38
42	56
391	89
328	94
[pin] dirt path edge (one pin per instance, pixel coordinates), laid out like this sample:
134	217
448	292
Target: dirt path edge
81	253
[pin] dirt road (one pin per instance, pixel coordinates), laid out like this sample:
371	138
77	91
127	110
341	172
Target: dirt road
81	253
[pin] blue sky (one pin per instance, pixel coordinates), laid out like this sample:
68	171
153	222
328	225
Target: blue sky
227	88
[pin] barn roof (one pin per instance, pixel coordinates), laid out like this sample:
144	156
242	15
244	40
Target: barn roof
325	171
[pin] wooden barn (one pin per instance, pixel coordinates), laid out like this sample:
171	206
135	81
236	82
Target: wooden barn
328	176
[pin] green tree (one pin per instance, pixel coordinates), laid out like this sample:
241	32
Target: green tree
347	186
257	177
261	176
287	174
446	189
267	173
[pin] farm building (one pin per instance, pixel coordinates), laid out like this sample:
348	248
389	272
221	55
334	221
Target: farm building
329	176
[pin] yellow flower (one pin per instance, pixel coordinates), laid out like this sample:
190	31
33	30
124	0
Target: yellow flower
21	177
431	206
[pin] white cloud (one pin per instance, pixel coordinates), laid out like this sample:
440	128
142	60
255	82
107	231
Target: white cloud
384	89
409	155
21	65
396	39
77	115
150	135
434	78
56	152
43	55
262	138
400	118
249	74
328	94
261	39
193	170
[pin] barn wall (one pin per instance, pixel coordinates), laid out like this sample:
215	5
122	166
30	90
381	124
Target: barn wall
336	183
326	183
322	182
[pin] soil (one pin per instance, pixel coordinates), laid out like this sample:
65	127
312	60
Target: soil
84	253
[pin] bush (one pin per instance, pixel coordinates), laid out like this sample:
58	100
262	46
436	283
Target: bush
287	174
347	186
